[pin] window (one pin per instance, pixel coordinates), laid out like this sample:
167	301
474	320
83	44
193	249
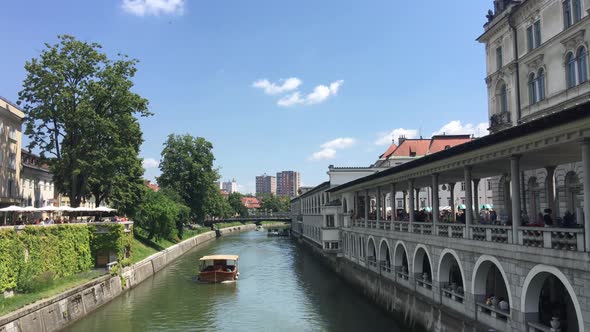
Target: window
10	188
582	71
530	38
489	185
572	12
330	221
12	133
541	84
498	58
334	245
570	70
12	161
532	89
537	27
462	186
503	96
327	245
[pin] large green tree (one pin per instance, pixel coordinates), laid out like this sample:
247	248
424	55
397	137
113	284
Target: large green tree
187	168
81	115
157	215
235	201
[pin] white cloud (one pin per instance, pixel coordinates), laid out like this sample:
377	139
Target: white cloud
328	149
271	88
319	94
150	163
457	128
385	138
290	100
153	7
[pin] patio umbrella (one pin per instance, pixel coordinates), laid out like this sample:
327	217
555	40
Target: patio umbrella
12	208
103	209
49	208
29	209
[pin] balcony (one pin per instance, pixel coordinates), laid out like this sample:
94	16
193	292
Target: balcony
500	121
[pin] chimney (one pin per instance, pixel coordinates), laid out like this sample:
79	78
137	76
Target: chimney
401	139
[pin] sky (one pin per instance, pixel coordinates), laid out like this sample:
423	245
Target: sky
277	85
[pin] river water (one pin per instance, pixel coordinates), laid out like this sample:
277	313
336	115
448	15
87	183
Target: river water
281	288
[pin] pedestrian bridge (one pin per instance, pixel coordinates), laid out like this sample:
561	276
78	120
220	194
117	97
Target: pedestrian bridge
257	219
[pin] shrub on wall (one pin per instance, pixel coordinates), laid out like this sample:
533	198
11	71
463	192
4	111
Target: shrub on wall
110	237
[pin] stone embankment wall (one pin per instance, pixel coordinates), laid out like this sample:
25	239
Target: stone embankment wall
415	311
57	312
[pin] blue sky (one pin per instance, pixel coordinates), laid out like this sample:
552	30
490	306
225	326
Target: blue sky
278	85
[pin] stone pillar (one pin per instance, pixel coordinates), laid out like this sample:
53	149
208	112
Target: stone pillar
586	170
453	210
550	188
476	200
417	198
435	199
468	197
367	205
405	206
515	181
378	201
392	201
411	201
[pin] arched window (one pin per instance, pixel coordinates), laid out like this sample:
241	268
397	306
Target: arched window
570	70
541	84
532	89
582	70
503	97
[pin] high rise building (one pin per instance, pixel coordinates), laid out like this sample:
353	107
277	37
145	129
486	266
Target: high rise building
288	183
266	184
229	186
10	153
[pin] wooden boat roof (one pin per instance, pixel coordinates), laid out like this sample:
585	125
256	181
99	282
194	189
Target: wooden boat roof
219	257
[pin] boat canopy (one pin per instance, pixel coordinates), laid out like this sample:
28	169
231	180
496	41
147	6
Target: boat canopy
219	257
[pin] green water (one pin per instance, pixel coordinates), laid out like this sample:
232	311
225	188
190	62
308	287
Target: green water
281	288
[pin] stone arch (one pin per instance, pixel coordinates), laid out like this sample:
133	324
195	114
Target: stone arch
371	249
448	258
384	253
533	286
400	257
479	281
422	258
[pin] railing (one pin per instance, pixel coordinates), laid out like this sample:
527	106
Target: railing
492	233
453	292
422	228
451	230
571	239
372	261
423	280
497	313
372	224
538	327
401	226
401	272
385	267
500	120
385	225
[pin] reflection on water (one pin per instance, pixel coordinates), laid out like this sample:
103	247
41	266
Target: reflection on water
280	289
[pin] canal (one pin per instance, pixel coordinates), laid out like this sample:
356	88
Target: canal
280	288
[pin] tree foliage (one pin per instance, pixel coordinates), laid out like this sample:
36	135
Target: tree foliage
275	203
187	168
81	115
235	201
157	215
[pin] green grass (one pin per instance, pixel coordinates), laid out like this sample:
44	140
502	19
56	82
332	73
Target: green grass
230	224
142	247
56	287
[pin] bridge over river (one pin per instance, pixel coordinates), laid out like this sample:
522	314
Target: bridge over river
257	219
281	288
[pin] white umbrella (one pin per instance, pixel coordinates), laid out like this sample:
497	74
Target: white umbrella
49	208
65	208
29	209
104	209
82	209
12	208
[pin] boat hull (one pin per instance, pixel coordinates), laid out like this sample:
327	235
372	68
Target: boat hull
218	276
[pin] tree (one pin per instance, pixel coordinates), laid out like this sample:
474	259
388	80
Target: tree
275	203
235	201
157	215
183	211
187	168
80	114
218	206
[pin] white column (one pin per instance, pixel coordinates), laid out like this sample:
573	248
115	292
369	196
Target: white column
476	200
453	210
378	201
392	201
515	182
411	200
586	170
550	187
435	210
468	197
367	205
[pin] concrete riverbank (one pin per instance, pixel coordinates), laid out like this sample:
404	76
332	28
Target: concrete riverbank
59	311
409	307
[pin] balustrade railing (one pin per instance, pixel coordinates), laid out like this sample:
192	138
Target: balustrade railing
453	291
571	239
422	228
423	280
385	266
495	312
385	225
401	272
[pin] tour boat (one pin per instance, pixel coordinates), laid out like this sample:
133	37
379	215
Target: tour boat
219	268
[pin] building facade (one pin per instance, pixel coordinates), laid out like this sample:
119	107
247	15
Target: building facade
288	183
266	184
37	187
229	186
11	118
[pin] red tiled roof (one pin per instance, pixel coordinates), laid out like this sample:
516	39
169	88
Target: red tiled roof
152	186
251	202
417	147
443	142
389	151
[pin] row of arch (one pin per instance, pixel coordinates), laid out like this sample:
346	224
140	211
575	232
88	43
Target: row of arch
543	283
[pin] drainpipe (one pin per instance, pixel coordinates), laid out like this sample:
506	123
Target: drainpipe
518	102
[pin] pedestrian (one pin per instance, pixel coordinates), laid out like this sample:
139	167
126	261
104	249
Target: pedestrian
547	219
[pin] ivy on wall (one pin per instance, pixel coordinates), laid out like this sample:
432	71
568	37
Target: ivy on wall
55	251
